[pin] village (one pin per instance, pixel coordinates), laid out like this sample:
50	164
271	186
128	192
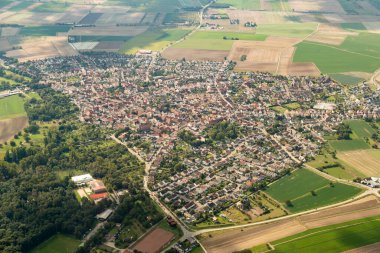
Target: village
211	135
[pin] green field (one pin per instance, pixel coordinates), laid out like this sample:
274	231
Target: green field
57	244
346	79
334	238
4	3
52	7
339	172
242	4
360	128
47	30
353	26
356	53
153	39
216	40
297	188
348	145
298	30
11	107
22	6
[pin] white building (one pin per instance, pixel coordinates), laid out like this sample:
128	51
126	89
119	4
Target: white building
82	179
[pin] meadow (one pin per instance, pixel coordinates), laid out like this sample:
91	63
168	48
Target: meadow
346	79
242	4
361	128
208	40
47	30
333	238
58	244
52	7
348	145
297	188
298	30
12	107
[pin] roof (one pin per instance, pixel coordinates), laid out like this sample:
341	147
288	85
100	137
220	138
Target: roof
81	178
104	215
97	185
96	196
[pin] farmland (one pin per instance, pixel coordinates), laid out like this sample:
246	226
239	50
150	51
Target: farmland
365	161
301	197
11	107
59	244
50	30
52	7
349	145
242	4
361	128
334	238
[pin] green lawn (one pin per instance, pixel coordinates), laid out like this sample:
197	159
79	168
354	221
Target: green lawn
47	30
361	128
289	30
57	244
52	7
209	40
297	188
346	79
242	4
334	238
11	107
348	145
21	6
153	39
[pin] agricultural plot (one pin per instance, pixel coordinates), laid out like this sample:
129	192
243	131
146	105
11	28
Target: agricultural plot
59	244
346	79
21	6
52	7
154	241
12	107
365	161
348	145
360	128
48	30
90	18
335	238
242	4
297	30
303	190
153	39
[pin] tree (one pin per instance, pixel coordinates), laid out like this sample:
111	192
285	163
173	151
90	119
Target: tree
289	203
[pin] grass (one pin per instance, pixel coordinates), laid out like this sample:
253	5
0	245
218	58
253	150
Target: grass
58	244
346	79
330	59
361	128
6	80
364	43
153	39
353	26
297	188
209	40
46	30
4	3
298	30
348	145
52	7
242	4
279	109
197	250
68	173
339	172
292	106
21	6
334	238
11	107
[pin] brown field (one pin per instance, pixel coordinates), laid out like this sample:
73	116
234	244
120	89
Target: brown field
75	13
230	240
10	127
9	31
111	46
42	48
120	18
4	44
273	55
330	34
373	27
27	18
110	9
329	6
372	248
154	241
365	161
109	30
194	54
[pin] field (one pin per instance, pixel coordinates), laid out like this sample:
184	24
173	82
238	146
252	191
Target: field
360	128
242	4
11	107
57	244
298	188
10	127
365	161
154	241
52	7
335	238
297	30
216	40
230	240
21	6
154	40
346	79
50	30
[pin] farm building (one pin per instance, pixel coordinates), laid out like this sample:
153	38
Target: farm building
82	179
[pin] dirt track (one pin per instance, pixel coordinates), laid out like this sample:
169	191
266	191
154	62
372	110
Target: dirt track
372	248
239	239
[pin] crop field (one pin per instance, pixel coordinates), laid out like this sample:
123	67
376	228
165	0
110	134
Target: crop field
298	186
348	145
57	244
361	128
153	39
346	79
365	161
298	30
242	4
353	26
52	7
216	40
49	30
4	3
330	59
335	238
11	107
154	241
21	6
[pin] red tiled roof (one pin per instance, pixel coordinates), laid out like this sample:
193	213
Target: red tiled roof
98	195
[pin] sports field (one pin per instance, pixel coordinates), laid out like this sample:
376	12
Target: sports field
58	244
208	40
334	238
11	107
297	188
